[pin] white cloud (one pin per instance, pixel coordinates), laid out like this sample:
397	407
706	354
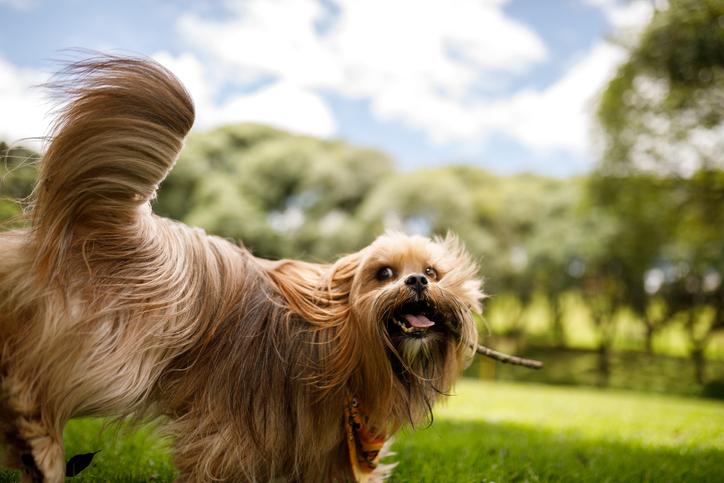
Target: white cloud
265	38
26	107
429	65
417	62
428	47
24	104
556	118
281	104
369	44
560	116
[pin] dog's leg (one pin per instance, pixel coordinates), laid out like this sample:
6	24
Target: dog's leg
45	459
35	443
36	451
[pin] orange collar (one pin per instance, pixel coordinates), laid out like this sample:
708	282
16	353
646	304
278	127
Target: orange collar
364	447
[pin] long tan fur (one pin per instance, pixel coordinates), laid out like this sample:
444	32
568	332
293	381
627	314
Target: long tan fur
109	310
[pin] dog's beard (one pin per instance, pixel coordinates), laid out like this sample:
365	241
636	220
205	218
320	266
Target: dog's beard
425	339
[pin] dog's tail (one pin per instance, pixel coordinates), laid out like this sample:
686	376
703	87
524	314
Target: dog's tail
117	135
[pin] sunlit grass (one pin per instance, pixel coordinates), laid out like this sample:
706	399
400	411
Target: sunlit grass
494	431
514	432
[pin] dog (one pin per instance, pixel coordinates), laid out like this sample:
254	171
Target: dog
261	370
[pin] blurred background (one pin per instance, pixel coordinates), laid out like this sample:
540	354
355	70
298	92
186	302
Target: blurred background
577	147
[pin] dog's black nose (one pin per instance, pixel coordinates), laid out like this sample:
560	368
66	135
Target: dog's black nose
417	282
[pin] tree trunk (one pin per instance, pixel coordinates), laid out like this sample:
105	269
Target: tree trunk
603	320
649	341
559	334
698	344
697	355
604	365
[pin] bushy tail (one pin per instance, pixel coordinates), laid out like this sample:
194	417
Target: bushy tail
117	135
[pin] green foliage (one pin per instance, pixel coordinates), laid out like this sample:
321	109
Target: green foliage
663	111
631	370
424	201
284	195
661	174
17	176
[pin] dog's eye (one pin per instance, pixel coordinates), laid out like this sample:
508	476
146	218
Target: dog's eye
385	273
430	272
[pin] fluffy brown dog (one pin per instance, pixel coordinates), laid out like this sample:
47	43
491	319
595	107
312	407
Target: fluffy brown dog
264	370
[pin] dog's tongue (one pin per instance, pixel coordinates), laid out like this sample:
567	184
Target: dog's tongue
419	321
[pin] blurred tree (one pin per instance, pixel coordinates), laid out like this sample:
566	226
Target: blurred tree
645	222
539	230
662	119
663	110
600	273
510	212
285	195
18	169
424	202
555	257
693	284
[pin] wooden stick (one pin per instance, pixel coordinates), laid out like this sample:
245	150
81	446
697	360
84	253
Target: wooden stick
508	359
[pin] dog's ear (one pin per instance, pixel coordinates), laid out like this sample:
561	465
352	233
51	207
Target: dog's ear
460	272
341	355
299	284
320	294
338	286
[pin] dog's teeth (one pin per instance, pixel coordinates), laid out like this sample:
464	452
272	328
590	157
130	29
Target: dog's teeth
406	328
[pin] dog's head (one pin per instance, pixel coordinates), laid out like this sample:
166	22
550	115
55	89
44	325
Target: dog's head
415	297
403	307
400	319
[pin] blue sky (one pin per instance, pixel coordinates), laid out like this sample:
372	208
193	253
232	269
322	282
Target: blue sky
506	85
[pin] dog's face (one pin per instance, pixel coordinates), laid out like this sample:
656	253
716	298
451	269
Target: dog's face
415	297
400	320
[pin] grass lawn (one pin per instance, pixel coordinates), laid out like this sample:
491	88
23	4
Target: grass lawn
494	431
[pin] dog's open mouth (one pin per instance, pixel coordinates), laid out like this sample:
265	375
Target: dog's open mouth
416	319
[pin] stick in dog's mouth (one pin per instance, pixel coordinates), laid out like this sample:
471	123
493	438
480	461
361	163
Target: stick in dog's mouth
508	359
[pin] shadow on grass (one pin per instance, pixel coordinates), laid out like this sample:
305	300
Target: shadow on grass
468	451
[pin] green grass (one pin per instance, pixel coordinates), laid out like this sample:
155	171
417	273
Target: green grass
494	431
127	456
514	432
